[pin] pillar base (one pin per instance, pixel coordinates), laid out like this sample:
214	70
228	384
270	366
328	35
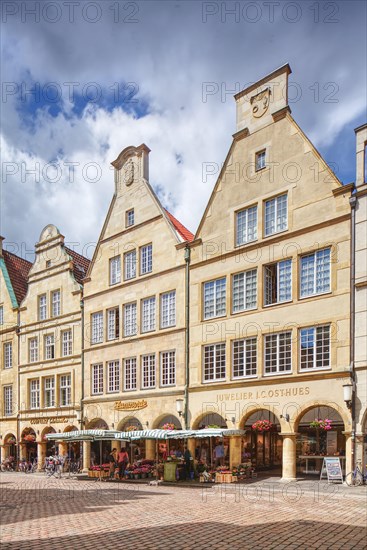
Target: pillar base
288	479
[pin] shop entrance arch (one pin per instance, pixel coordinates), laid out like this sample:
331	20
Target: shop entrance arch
263	443
99	450
319	434
28	439
211	451
136	449
74	447
51	445
10	445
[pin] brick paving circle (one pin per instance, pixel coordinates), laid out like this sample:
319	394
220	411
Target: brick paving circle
42	513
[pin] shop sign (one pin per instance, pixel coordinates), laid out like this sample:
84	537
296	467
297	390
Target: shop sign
264	394
52	420
331	468
130	405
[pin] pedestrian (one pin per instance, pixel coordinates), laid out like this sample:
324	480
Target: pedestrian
122	460
188	462
112	460
219	455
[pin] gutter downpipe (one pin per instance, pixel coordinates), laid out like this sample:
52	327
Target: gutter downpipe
187	334
353	204
17	458
82	375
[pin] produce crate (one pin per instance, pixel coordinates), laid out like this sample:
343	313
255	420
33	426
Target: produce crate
225	478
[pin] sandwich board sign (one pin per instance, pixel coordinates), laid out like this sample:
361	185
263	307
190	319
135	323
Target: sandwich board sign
331	468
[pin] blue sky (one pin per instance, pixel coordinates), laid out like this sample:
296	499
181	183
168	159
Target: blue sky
78	87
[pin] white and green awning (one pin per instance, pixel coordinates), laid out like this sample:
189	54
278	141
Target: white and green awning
83	435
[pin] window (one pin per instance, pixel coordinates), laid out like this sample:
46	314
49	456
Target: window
278	349
42	307
35	394
97	379
130	374
148	314
148	371
244	358
260	160
115	270
130	218
48	263
67	343
214	298
97	327
50	346
244	290
113	323
168	368
56	303
278	282
130	264
315	273
146	261
113	376
246	225
214	362
130	326
8	355
1	315
65	390
276	216
33	350
315	348
168	309
49	392
8	400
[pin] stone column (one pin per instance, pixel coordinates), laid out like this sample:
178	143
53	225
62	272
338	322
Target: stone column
235	447
86	456
150	452
348	452
289	456
116	445
3	452
22	451
63	448
191	446
41	454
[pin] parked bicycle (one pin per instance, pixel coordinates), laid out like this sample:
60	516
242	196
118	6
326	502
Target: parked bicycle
356	477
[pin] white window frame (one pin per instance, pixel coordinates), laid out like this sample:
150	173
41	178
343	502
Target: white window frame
34	393
8	355
113	323
130	218
49	390
283	268
130	319
215	347
8	400
49	350
244	287
113	376
148	371
278	227
115	270
65	390
33	349
313	332
248	233
56	303
168	309
42	307
315	255
97	379
148	314
67	342
130	374
249	348
277	336
1	315
97	327
212	298
168	368
146	259
130	265
260	160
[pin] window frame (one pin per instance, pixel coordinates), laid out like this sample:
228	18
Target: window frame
34	393
127	214
278	372
68	343
8	357
244	340
116	378
42	317
214	379
100	379
245	272
161	312
125	306
169	376
66	388
257	156
127	265
8	410
314	254
151	324
276	199
148	260
49	346
150	371
314	368
99	328
133	372
115	260
255	229
1	315
215	299
33	349
51	390
288	261
116	311
57	303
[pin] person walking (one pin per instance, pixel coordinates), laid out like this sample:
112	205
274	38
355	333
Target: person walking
122	459
112	459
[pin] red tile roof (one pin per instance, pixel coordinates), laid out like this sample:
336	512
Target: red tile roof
80	264
18	270
181	229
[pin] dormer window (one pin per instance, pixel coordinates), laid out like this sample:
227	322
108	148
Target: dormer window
130	218
260	160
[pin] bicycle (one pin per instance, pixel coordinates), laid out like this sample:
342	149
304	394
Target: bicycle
356	477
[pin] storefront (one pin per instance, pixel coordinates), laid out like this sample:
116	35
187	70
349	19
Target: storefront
28	445
99	450
263	442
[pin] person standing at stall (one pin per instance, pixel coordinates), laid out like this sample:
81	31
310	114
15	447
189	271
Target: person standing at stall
122	459
112	459
188	462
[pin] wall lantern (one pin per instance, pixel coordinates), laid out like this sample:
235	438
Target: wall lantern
348	394
179	406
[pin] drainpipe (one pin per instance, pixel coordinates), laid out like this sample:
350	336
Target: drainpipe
17	447
353	204
187	334
82	364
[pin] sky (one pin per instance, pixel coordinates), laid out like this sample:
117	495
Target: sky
83	80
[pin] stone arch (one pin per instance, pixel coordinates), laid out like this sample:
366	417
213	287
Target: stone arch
47	430
210	418
70	429
26	432
252	409
345	416
8	439
97	424
167	418
364	421
49	232
129	421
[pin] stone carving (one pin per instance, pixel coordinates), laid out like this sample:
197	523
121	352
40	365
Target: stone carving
260	103
129	172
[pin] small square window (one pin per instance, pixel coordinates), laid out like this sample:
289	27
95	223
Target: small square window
130	218
260	160
48	263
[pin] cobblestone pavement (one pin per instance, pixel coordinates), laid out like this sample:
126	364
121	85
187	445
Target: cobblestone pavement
43	513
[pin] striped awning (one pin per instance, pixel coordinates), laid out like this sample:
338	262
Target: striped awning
83	435
143	434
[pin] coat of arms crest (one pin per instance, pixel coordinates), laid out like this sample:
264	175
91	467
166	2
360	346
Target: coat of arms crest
260	103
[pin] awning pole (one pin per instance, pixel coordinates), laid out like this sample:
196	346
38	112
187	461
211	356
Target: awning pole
100	453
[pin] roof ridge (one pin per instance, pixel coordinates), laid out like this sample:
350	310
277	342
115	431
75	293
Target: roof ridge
180	228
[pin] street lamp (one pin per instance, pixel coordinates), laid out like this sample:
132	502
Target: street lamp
179	406
348	394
